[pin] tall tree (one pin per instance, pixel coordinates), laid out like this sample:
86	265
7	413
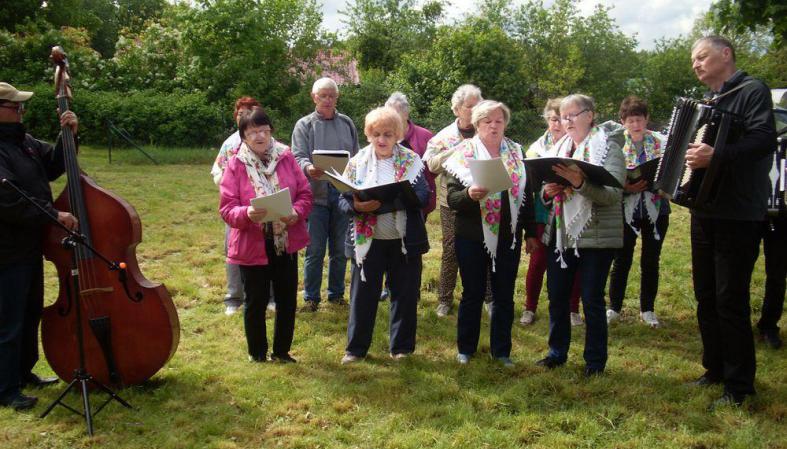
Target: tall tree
737	15
381	31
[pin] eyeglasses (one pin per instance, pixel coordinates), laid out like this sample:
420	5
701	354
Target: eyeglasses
572	117
18	107
260	131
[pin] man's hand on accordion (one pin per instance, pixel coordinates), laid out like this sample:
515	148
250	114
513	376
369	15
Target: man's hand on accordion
698	155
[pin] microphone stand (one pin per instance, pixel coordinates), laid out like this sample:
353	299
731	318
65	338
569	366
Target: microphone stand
81	377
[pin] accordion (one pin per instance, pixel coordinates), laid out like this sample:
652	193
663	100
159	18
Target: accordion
777	203
693	121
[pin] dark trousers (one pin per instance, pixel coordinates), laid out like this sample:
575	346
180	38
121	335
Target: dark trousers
534	279
723	253
282	271
593	268
648	262
403	272
775	248
474	264
21	302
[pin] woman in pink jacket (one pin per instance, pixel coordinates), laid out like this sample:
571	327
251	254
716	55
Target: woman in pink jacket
266	251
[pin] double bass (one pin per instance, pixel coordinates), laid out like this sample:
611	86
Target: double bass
129	324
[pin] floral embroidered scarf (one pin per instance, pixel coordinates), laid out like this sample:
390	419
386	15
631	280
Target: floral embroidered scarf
442	141
653	144
511	154
572	211
262	175
362	171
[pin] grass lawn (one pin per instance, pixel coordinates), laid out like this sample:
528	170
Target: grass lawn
210	396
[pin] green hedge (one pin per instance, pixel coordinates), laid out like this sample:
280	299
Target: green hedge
151	118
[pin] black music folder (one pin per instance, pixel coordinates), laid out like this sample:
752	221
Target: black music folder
540	170
646	170
383	192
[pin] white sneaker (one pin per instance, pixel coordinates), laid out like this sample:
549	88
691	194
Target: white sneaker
650	319
349	358
230	310
271	307
443	309
576	319
612	316
528	318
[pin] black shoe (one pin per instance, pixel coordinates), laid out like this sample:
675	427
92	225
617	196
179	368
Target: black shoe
33	380
20	402
310	306
705	380
771	338
727	400
593	372
549	363
283	358
337	301
254	359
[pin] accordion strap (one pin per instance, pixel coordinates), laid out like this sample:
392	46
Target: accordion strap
736	88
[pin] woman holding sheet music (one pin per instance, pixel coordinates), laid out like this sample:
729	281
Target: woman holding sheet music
386	237
645	213
584	228
265	249
488	231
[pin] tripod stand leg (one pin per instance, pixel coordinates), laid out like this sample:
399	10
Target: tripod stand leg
86	405
59	399
111	393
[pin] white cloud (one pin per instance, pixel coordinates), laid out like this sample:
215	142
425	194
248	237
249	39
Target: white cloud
650	20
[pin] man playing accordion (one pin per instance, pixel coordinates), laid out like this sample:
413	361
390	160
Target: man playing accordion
725	236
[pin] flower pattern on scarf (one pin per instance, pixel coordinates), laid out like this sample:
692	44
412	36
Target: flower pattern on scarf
262	176
491	206
652	147
407	165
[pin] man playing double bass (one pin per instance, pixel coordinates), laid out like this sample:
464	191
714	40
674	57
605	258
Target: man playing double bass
29	164
725	239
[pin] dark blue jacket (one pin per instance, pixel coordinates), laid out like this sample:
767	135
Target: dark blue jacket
415	240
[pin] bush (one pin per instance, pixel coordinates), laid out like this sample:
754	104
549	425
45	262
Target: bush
153	118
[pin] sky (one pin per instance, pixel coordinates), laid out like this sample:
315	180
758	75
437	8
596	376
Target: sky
649	20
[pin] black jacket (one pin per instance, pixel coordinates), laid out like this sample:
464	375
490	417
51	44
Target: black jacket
468	213
30	164
745	164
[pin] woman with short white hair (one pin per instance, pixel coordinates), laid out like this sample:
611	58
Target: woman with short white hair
438	150
584	228
488	229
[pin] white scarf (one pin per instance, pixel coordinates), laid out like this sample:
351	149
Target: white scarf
362	171
574	210
511	155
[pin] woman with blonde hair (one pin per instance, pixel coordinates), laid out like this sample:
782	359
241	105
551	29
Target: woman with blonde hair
385	237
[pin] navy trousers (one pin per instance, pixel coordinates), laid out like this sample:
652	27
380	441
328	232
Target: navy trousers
593	266
403	272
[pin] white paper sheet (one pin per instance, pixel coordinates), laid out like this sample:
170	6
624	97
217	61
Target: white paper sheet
490	174
278	204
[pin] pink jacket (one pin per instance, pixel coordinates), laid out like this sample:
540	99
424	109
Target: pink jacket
246	244
417	137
